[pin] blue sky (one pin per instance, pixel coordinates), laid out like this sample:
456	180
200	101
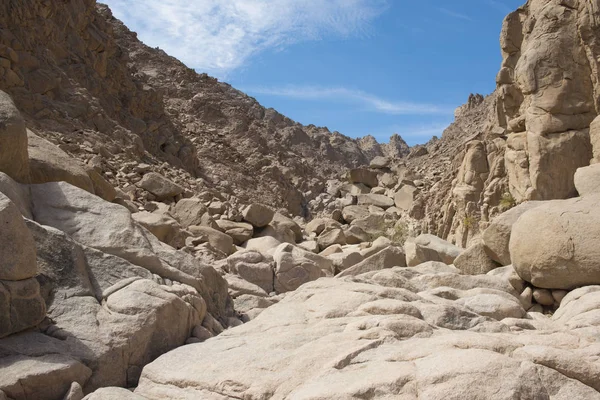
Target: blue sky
356	66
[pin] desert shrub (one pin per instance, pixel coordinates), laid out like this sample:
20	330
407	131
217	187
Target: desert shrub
507	201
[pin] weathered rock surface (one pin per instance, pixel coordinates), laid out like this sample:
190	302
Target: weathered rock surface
553	246
295	266
14	160
430	248
160	186
496	237
398	333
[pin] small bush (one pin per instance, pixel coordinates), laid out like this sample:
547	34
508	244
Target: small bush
470	222
507	201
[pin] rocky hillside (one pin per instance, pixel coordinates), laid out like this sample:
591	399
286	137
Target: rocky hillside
85	82
144	253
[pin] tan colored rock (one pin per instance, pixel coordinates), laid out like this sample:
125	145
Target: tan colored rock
403	199
165	228
387	258
21	306
295	267
258	215
280	221
587	180
365	176
17	193
14	160
48	163
318	225
265	245
46	377
351	213
189	212
159	186
553	245
113	393
426	247
240	232
378	200
254	267
331	236
496	237
475	260
219	240
102	188
17	248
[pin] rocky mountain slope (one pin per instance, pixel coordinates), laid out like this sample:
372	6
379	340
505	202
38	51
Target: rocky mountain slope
85	82
144	254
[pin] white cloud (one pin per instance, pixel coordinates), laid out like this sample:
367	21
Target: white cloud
344	95
218	36
455	14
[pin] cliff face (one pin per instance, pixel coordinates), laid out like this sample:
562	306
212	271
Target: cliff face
84	81
526	140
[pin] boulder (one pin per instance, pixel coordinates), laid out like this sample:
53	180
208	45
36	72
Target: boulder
258	215
554	246
102	188
497	236
21	306
109	228
423	332
354	189
165	228
587	180
14	159
387	258
159	186
351	213
380	162
475	260
404	198
17	248
47	377
265	245
427	247
331	236
344	260
18	194
48	163
189	212
113	393
355	235
280	222
217	239
295	267
365	176
240	232
378	200
310	245
279	232
253	267
318	225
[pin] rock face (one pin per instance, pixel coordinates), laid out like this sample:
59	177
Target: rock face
553	246
394	336
295	266
21	305
14	160
430	248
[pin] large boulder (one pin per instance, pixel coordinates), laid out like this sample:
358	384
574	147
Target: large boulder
165	228
427	247
258	215
475	260
219	240
410	333
14	159
365	176
404	198
159	186
387	258
48	163
17	248
378	200
331	236
189	212
496	237
587	180
253	267
18	194
554	246
295	266
240	232
21	305
109	228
